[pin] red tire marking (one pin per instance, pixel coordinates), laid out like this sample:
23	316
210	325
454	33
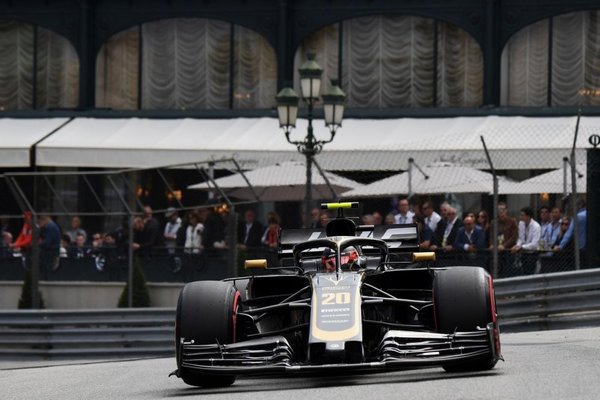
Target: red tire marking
494	319
236	300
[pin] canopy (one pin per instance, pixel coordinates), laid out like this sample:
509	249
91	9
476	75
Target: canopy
550	182
17	135
280	182
440	178
360	144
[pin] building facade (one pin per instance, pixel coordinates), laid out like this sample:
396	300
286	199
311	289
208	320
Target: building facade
230	57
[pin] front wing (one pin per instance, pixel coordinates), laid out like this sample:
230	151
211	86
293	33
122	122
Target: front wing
397	350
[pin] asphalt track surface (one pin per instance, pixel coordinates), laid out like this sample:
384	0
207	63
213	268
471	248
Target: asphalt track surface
539	365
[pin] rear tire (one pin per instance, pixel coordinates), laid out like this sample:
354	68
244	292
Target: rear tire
205	314
462	302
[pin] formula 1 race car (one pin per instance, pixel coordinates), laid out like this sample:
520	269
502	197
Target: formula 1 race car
351	299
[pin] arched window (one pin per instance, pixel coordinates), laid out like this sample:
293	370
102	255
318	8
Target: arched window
186	64
399	61
554	62
39	69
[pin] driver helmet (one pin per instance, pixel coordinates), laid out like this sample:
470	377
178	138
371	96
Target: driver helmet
349	257
328	260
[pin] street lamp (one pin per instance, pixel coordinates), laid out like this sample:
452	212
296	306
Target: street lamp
333	110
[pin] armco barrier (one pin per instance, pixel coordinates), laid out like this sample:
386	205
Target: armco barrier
90	334
539	302
549	301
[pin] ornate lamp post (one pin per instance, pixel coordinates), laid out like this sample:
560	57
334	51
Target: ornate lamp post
287	110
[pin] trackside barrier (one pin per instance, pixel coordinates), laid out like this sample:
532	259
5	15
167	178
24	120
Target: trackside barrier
90	334
538	302
549	301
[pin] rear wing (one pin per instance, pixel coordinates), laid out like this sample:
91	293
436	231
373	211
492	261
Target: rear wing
399	238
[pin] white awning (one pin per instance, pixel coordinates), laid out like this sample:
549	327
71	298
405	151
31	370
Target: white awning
551	182
360	144
281	182
433	179
17	135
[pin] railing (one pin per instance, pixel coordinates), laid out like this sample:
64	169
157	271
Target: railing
158	266
212	265
549	301
90	334
539	302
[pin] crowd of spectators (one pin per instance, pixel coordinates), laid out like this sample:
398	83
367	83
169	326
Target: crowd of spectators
528	242
185	240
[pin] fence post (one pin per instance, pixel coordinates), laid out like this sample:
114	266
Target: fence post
593	203
495	212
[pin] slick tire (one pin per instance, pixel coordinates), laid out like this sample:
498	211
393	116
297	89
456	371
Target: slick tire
462	302
206	314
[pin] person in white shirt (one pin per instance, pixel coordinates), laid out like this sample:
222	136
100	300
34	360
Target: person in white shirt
405	216
545	226
171	227
431	217
193	235
528	239
170	237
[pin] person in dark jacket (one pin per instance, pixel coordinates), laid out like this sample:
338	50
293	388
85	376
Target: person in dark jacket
49	244
445	233
250	231
151	237
470	238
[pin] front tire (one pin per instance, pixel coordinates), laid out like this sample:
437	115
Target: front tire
463	301
206	314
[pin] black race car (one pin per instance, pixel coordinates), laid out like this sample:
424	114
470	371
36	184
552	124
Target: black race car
350	299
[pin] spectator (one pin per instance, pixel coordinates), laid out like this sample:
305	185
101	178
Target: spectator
7	240
5	233
76	230
79	249
545	227
445	234
214	230
23	242
443	209
404	216
529	232
171	227
377	218
528	239
581	227
22	245
432	218
193	234
192	247
483	221
250	231
151	237
553	230
564	227
271	236
49	244
315	218
324	219
470	238
425	232
368	219
507	228
97	240
138	233
65	245
389	219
